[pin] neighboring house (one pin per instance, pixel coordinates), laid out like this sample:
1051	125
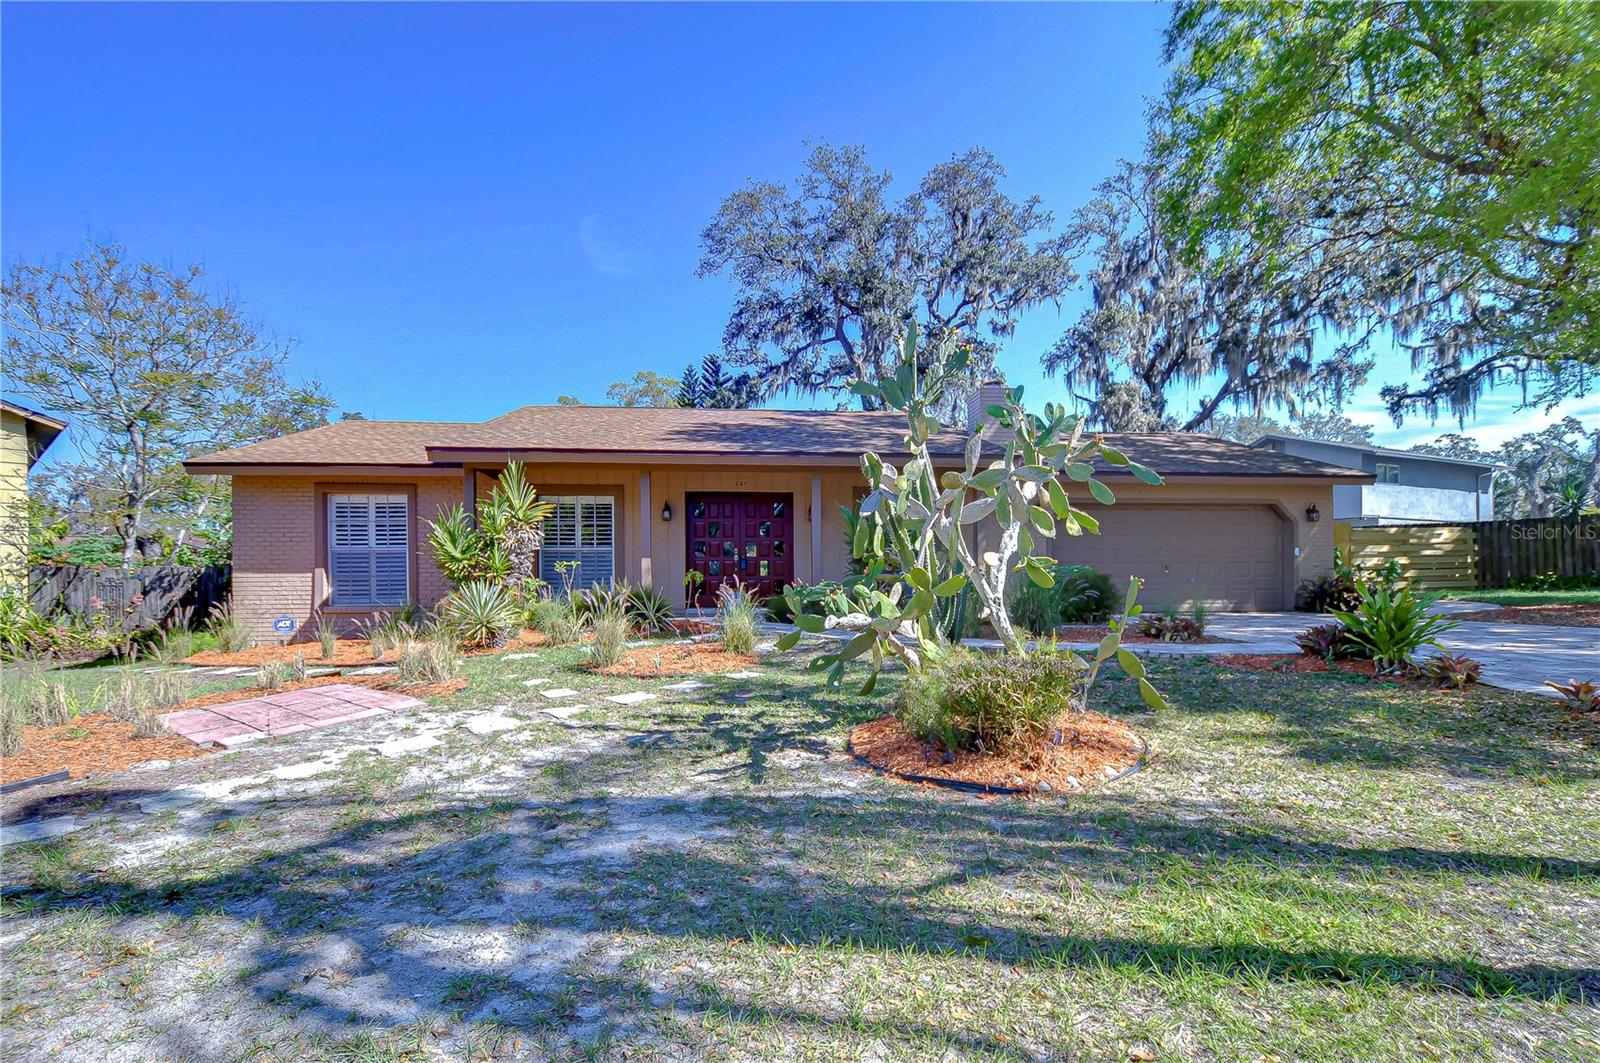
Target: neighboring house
335	519
27	434
1407	487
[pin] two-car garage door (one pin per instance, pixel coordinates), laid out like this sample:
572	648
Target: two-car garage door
1230	557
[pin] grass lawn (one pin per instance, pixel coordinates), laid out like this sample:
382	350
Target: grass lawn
1314	867
1503	596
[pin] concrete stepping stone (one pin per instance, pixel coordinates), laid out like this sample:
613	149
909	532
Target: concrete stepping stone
685	686
488	723
399	747
39	830
563	712
518	656
767	647
554	693
538	681
743	675
632	698
373	669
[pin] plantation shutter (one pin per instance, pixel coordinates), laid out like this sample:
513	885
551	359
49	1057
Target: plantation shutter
367	549
581	533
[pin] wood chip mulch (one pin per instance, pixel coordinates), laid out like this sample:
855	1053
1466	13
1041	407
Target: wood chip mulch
1096	632
1558	615
647	662
93	742
1092	747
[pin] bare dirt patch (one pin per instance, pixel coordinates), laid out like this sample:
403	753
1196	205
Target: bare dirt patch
648	662
1557	615
95	741
1092	747
1096	632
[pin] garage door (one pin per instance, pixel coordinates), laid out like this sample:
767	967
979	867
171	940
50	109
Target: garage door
1230	557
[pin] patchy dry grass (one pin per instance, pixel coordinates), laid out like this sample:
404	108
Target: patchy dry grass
1315	867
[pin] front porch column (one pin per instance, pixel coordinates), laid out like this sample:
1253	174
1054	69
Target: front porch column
469	489
816	528
646	568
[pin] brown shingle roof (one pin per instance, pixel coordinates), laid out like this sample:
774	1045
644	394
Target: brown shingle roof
835	436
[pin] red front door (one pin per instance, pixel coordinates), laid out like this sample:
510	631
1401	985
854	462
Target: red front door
742	537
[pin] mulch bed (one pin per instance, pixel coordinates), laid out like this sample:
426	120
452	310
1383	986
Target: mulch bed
1305	662
95	741
1096	632
1559	615
1091	744
348	653
648	662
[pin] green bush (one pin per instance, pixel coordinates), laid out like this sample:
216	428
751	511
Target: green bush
22	631
327	637
481	613
231	634
992	704
737	612
434	660
612	629
649	609
1390	625
556	619
1081	594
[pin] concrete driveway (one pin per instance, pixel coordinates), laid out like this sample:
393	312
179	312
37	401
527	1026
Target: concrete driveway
1514	656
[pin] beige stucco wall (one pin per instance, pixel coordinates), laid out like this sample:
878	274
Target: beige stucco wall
277	570
13	499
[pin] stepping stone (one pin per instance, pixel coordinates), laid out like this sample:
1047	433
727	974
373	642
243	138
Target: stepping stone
399	747
518	656
743	675
375	669
535	682
488	723
39	830
767	647
632	698
563	712
235	669
559	692
685	686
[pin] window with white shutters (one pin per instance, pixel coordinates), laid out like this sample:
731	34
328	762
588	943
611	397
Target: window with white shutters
579	542
367	550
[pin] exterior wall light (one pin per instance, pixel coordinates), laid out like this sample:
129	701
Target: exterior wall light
666	512
1313	514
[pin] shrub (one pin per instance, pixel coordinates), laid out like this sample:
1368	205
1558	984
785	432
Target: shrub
172	646
273	674
23	632
737	612
434	660
1033	608
828	598
1084	594
13	717
1578	694
1329	591
992	704
1392	624
556	619
1326	641
231	634
612	630
1452	670
481	613
327	638
1169	627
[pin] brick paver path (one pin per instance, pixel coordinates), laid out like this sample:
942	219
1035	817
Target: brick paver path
285	714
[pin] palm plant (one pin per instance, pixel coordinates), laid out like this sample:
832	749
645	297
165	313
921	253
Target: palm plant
500	541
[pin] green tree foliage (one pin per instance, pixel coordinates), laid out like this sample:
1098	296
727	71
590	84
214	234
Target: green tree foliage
647	388
1232	332
709	386
149	368
829	273
1438	161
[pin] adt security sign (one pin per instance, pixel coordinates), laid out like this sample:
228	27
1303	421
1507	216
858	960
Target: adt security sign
283	625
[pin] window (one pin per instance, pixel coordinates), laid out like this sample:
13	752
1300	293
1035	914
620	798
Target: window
368	561
581	533
1388	473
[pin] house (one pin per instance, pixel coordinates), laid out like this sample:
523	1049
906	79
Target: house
1407	487
335	519
26	435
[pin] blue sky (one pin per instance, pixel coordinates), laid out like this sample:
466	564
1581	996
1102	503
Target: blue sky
455	210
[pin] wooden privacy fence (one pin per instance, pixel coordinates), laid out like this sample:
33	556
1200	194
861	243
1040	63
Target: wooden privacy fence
1489	553
162	590
1433	556
1510	550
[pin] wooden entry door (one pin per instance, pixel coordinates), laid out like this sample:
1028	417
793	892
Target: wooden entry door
747	537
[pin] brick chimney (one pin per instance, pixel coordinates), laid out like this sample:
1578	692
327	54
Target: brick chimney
991	392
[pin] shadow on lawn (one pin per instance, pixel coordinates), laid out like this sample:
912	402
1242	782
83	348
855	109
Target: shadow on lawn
403	897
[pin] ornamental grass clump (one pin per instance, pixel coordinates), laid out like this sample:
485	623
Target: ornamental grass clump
738	613
1006	705
428	661
556	619
612	628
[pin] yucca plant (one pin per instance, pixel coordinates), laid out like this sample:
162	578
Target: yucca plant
650	609
1391	624
480	613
